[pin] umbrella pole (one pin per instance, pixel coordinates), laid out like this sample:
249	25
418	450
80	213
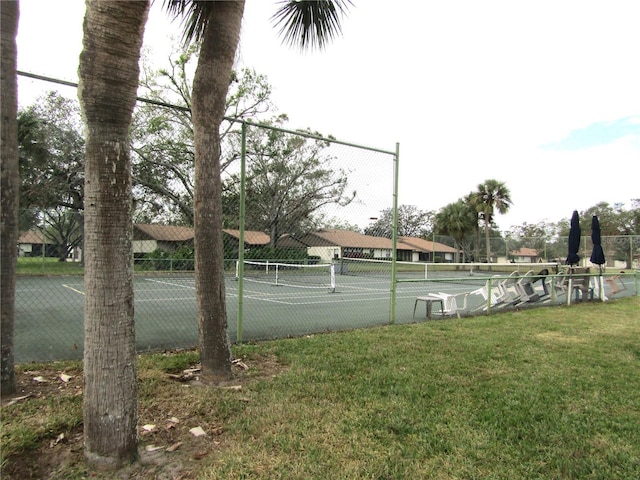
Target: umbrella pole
601	285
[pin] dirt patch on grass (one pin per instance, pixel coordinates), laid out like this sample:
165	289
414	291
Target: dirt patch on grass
168	448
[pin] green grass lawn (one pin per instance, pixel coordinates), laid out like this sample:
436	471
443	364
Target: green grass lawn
549	393
47	266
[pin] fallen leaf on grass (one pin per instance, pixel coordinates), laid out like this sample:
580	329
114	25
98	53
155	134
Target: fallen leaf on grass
65	378
197	432
148	428
181	378
233	388
16	400
59	438
199	455
152	448
240	364
174	447
39	379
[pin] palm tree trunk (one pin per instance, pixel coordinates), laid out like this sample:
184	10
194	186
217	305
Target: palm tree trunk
487	242
210	86
10	185
113	33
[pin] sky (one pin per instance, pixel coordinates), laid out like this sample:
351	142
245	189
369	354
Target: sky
541	95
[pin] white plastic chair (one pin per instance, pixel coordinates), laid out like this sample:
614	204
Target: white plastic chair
502	292
509	289
497	293
450	302
525	289
615	284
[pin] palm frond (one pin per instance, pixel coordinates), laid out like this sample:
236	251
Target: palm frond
310	24
193	14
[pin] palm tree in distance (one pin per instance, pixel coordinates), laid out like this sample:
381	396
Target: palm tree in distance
492	196
216	26
457	219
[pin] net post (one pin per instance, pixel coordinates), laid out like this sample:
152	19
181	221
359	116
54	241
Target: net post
332	270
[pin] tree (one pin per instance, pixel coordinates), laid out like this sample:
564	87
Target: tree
536	236
64	228
108	72
457	220
412	222
162	138
10	184
51	154
492	196
51	146
289	178
217	26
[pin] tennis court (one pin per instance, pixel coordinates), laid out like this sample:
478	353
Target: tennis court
49	310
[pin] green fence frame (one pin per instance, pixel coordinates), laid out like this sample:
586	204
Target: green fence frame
243	150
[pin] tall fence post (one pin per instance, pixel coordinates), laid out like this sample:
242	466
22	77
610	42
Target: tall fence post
243	152
394	248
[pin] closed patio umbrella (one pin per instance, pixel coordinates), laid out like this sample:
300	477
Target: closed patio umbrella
574	245
574	240
597	254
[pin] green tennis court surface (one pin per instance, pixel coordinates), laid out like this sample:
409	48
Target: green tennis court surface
50	310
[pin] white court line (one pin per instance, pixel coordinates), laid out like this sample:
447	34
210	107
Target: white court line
326	299
138	299
73	289
171	284
172	299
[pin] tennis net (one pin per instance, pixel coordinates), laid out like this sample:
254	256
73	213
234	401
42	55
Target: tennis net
459	272
289	274
363	267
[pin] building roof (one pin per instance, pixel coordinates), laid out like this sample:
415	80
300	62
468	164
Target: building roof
422	245
289	241
251	237
345	238
173	233
525	252
33	237
165	233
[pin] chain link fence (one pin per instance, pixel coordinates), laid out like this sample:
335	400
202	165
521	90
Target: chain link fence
621	251
294	205
296	263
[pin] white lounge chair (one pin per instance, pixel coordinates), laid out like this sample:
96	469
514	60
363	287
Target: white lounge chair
525	289
615	284
450	302
502	292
